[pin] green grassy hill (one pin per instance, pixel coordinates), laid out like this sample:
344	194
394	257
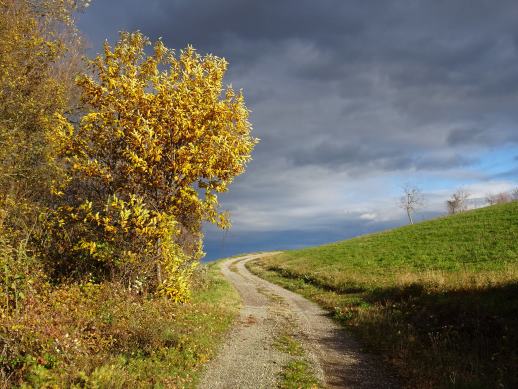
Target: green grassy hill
439	299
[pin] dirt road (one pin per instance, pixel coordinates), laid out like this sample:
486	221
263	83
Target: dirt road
250	358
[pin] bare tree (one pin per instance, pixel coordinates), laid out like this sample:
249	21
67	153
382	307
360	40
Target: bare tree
458	201
411	200
499	198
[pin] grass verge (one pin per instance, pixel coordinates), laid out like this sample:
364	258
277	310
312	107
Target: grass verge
103	336
287	344
297	372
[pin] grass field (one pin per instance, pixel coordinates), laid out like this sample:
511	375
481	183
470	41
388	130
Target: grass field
438	300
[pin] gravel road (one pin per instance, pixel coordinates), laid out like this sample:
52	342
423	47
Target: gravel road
249	358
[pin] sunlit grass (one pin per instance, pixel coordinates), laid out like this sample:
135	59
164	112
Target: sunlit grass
439	300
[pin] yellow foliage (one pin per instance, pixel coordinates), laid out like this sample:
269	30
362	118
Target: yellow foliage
39	48
162	137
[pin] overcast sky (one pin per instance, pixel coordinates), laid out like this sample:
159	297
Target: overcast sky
351	99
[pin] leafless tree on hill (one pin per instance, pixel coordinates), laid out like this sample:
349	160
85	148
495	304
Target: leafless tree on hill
411	200
499	198
458	201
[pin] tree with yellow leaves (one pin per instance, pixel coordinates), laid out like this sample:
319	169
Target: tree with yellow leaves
162	138
39	48
40	54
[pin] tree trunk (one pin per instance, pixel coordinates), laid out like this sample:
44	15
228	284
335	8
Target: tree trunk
158	274
158	265
410	216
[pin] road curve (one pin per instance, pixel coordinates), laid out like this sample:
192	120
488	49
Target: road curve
248	358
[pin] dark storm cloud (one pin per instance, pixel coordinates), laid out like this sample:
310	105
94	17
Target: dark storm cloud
456	47
346	91
211	24
215	25
432	63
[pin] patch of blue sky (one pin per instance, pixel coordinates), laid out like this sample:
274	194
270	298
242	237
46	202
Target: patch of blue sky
430	181
499	163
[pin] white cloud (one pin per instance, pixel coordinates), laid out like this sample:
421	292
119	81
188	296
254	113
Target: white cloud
369	216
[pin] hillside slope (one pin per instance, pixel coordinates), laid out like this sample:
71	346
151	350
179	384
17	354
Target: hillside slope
439	299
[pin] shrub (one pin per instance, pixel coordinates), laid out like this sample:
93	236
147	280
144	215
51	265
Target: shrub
143	167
